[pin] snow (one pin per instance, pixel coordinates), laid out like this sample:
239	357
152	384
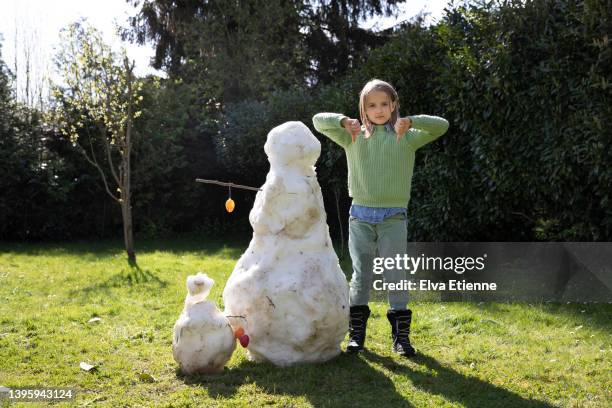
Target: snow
287	290
203	338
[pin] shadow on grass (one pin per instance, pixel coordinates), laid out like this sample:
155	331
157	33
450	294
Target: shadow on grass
343	381
125	278
354	381
454	386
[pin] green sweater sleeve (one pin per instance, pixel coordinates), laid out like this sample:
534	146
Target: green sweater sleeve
329	124
425	129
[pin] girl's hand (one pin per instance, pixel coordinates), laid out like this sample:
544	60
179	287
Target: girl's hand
352	126
401	127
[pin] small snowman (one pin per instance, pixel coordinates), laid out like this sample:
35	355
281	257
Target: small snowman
203	338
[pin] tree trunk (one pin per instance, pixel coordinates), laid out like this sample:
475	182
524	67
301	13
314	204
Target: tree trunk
128	235
126	189
126	207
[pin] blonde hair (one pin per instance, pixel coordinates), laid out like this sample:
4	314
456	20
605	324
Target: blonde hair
377	85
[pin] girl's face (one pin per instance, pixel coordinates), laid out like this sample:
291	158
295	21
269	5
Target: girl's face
379	107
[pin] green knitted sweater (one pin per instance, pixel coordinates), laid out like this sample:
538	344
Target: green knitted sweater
380	168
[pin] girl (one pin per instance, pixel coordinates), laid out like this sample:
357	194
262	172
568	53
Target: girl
380	158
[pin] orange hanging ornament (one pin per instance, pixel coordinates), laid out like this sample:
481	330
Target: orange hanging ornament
229	204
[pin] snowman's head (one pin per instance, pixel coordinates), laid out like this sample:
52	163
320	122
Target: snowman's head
292	144
199	285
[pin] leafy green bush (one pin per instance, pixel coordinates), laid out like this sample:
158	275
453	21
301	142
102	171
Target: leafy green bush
526	87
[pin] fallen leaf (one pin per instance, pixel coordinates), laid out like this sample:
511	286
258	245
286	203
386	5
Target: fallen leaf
87	367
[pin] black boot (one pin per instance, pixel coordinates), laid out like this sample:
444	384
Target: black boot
400	331
357	328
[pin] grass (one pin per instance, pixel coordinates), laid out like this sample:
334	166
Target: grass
471	355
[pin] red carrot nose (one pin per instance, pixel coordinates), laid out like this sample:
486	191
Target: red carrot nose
244	340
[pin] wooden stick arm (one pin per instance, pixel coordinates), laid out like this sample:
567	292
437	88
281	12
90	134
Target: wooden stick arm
221	183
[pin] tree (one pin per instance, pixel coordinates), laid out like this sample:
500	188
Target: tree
97	105
21	164
30	65
335	44
5	93
247	49
232	50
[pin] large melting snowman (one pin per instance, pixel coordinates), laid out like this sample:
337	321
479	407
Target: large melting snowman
287	290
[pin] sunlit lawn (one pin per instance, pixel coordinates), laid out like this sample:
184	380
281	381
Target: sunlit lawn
471	355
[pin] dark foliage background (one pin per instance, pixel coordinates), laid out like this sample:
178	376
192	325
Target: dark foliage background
526	87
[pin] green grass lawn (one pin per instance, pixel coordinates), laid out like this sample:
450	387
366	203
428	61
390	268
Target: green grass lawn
471	354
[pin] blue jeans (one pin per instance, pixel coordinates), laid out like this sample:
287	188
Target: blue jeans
367	241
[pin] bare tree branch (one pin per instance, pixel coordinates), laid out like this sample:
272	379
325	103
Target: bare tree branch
107	147
97	166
